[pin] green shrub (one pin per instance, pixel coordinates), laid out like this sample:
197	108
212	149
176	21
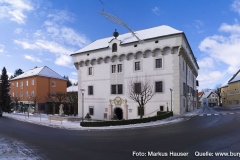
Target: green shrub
114	117
88	116
126	122
161	112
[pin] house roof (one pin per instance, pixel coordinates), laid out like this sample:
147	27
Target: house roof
149	33
225	84
40	71
207	93
200	94
211	93
236	77
72	89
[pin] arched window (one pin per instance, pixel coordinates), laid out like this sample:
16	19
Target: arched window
114	47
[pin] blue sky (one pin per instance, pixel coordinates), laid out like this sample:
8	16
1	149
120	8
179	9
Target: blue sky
44	33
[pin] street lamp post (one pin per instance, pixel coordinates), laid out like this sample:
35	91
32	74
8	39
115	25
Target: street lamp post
82	102
171	98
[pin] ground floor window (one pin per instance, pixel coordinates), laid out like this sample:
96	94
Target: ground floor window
161	108
139	111
91	110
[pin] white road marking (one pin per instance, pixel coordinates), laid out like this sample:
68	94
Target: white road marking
201	115
231	113
216	114
209	114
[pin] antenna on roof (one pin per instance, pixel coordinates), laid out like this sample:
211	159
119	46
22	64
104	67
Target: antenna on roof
117	20
102	5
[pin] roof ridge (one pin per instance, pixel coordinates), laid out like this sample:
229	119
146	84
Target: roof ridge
234	76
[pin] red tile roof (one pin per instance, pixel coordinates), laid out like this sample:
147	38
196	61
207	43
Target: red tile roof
200	94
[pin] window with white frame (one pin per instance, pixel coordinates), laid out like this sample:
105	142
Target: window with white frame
113	68
119	68
32	82
26	83
91	110
117	89
16	84
90	90
16	94
32	93
12	94
12	84
21	94
158	63
21	86
114	47
137	87
158	86
53	84
27	93
90	71
137	66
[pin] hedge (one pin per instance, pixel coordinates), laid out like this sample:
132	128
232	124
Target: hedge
161	112
126	122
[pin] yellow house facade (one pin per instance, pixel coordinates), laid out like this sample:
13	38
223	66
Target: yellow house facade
230	92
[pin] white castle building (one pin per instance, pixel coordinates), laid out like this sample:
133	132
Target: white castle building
106	65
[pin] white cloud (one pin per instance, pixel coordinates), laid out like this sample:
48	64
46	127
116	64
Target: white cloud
1	48
47	59
32	58
209	78
223	49
73	80
25	44
156	10
61	16
64	60
206	62
46	45
9	74
15	10
230	28
18	30
236	6
74	73
56	38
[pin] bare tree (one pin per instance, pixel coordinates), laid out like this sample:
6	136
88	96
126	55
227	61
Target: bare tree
140	91
51	97
217	90
34	99
60	96
16	99
72	99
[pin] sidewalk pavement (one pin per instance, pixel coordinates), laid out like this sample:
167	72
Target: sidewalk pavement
42	119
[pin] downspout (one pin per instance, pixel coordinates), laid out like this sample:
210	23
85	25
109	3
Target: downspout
193	91
186	88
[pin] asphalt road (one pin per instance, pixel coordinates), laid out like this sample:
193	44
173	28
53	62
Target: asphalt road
215	130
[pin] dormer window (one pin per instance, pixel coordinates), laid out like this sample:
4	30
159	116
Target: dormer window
114	47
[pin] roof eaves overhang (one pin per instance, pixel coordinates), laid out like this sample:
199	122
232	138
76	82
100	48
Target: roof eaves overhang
89	51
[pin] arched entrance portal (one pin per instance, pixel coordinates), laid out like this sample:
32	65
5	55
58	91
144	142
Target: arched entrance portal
119	113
